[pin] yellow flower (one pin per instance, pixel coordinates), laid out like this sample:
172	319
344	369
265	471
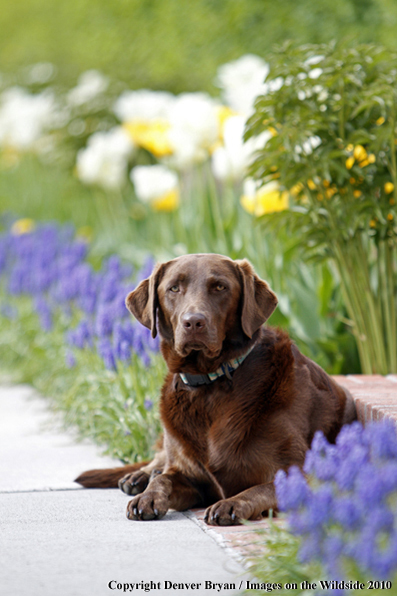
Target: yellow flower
357	194
366	162
151	135
349	162
361	156
390	216
389	187
372	223
311	185
22	226
380	121
297	192
359	153
296	189
263	200
350	148
166	202
331	191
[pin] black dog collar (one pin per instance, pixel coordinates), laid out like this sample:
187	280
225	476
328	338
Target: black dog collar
225	369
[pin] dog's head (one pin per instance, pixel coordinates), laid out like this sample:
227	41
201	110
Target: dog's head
199	300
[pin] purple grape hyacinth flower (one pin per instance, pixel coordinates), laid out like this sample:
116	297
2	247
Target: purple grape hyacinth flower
346	510
50	265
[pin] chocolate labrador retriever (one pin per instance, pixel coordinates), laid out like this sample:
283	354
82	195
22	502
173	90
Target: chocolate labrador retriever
239	401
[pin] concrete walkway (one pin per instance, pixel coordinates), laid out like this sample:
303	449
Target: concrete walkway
57	538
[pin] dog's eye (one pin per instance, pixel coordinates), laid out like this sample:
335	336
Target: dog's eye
220	287
174	288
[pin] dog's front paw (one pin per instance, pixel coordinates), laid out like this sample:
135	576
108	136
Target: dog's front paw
135	483
148	505
228	512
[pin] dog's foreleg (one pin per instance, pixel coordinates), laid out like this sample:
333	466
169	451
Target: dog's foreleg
249	504
171	490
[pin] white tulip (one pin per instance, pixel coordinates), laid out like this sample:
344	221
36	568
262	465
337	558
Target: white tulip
193	129
24	117
105	159
90	84
152	182
242	81
232	159
143	105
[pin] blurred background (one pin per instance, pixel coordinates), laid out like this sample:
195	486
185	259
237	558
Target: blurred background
126	120
173	45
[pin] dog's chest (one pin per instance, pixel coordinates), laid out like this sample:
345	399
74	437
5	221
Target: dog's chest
206	424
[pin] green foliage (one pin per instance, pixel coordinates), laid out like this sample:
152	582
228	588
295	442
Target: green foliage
333	114
344	103
275	559
109	407
175	45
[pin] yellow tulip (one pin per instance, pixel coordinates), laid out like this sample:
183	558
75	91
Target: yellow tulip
267	199
166	202
22	226
151	135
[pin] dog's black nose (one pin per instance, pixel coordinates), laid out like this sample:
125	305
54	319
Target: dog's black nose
193	322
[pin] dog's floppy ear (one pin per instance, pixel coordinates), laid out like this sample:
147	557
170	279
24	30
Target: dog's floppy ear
143	301
258	300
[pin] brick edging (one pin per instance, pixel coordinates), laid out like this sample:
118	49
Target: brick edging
375	396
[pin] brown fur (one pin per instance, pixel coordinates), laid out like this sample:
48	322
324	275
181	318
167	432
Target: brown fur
224	442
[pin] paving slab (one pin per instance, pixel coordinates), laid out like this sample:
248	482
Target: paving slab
34	455
75	543
78	542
